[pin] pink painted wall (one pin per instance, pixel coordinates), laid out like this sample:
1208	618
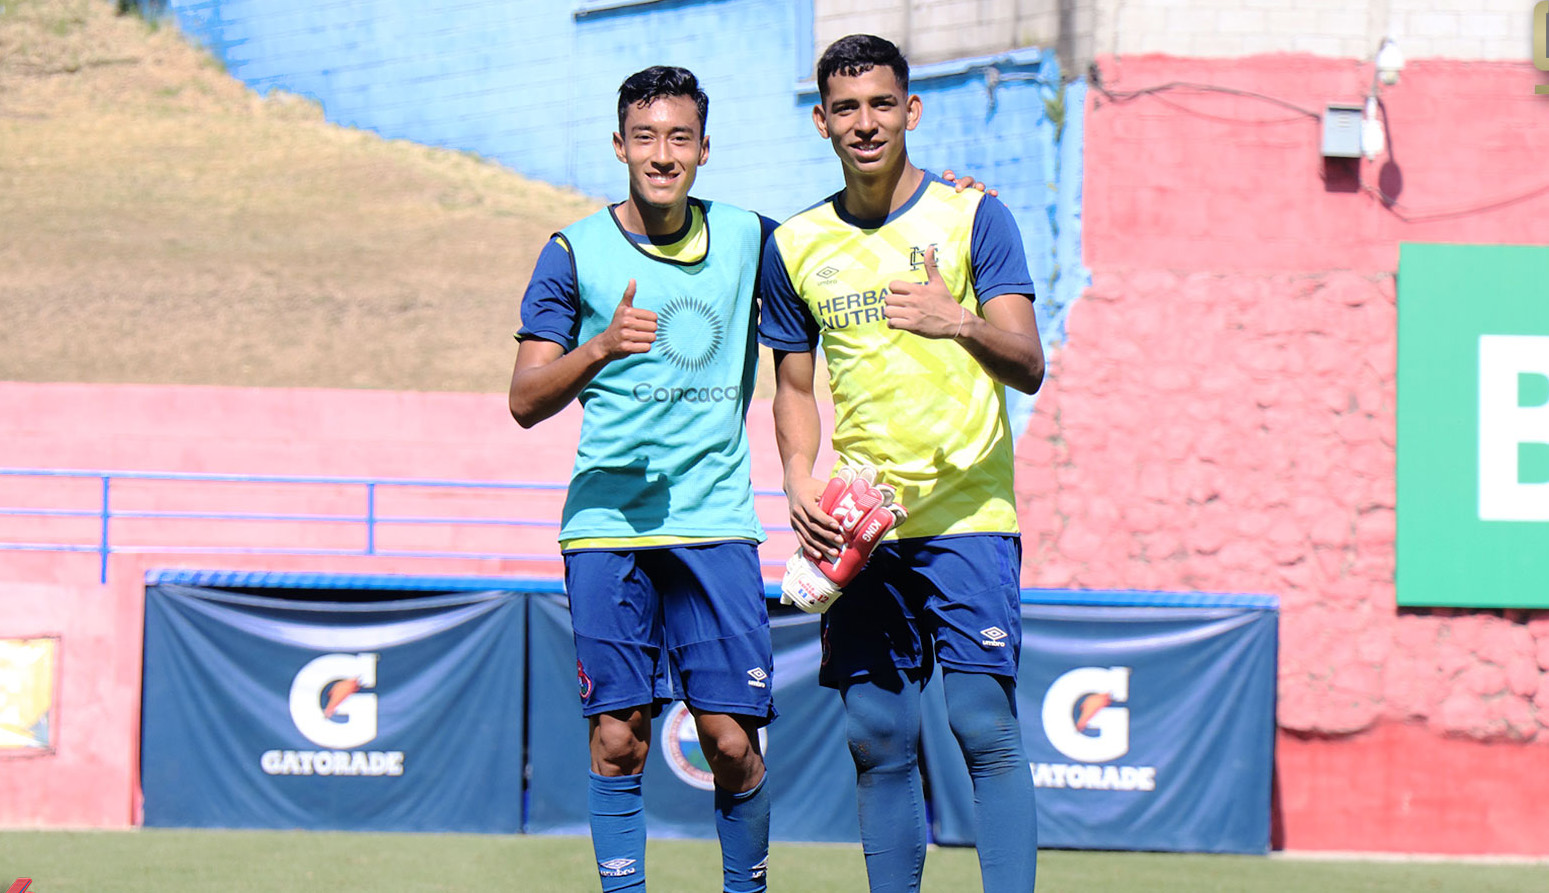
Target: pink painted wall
1222	419
91	778
85	782
317	432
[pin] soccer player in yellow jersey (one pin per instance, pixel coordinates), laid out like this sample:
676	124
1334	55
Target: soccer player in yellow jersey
921	299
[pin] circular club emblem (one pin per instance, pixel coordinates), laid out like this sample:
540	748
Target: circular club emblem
681	748
690	333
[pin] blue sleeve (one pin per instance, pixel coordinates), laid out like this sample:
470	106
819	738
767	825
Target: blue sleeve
995	249
550	305
784	323
768	226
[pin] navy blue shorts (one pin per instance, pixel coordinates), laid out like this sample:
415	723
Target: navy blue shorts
953	599
688	622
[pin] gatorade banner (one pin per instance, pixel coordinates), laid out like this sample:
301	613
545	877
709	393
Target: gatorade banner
812	778
1147	728
399	715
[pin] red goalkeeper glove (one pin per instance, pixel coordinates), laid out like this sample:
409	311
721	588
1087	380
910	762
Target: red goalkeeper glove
865	512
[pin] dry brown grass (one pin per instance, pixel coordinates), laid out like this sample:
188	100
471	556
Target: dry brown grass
161	223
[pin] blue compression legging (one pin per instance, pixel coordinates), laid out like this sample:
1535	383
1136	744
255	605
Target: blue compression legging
883	728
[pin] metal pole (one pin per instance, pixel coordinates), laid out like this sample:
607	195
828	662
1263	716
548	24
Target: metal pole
371	518
102	547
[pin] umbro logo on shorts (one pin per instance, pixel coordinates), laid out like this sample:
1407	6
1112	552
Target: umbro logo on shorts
616	868
994	637
756	677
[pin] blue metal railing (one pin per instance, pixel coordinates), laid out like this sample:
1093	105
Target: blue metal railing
370	518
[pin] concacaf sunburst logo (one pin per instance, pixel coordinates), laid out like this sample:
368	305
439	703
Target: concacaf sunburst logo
690	333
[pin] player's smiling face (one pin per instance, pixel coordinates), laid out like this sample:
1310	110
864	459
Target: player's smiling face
663	146
865	116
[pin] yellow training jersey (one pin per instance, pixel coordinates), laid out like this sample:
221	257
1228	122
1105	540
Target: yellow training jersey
922	410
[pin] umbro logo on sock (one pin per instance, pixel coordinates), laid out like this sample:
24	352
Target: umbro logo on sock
760	870
616	868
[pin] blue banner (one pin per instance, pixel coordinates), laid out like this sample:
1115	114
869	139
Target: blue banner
1148	728
1149	723
812	780
400	715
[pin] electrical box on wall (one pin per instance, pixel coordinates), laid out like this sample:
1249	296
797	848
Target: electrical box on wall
1342	131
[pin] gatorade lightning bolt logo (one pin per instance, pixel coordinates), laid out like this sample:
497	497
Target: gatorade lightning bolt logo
1090	705
337	694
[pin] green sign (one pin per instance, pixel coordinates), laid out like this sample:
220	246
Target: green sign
1473	426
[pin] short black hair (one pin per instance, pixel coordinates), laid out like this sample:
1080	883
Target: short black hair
645	87
858	54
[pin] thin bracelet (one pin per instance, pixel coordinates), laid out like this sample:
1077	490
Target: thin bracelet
962	316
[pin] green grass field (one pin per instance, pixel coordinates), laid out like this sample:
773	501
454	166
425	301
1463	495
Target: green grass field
155	861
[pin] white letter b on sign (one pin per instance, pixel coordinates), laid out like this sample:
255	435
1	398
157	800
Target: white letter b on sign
1505	426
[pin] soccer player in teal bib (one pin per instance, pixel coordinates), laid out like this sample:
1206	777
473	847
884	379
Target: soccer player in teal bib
922	302
645	312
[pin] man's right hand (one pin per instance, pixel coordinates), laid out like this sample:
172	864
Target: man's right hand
632	330
818	533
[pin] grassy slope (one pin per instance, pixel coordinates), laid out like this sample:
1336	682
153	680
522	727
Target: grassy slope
162	223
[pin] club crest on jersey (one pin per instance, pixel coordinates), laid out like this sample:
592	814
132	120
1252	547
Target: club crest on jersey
917	256
584	680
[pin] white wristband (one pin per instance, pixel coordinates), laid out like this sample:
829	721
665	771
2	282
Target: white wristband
962	317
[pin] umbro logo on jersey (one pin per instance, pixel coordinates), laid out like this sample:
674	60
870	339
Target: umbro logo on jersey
828	273
616	868
994	637
756	677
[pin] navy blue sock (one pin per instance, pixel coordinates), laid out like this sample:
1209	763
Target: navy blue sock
982	711
617	808
742	823
883	729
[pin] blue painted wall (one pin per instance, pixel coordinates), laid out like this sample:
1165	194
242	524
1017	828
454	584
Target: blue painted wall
533	86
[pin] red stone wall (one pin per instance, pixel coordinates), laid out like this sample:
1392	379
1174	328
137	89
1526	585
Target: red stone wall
1222	419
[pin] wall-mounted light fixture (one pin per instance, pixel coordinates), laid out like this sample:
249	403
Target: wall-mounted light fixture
1390	61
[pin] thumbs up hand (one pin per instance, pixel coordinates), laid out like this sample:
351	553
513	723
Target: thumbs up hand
632	330
925	308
